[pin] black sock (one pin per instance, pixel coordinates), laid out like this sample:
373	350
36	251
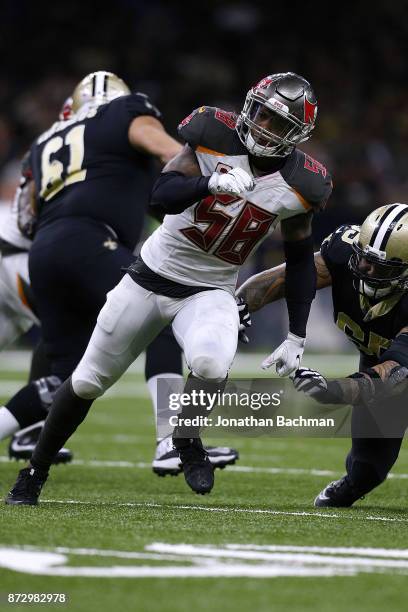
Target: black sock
182	434
26	406
66	414
40	364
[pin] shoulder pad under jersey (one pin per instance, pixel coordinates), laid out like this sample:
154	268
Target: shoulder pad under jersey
212	128
336	249
137	104
309	178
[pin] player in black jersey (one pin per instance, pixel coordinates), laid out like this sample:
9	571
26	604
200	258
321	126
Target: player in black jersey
367	269
93	171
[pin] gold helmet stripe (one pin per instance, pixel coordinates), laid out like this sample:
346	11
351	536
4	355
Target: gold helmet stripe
386	226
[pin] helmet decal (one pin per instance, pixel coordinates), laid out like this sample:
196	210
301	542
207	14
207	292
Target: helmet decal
278	114
310	111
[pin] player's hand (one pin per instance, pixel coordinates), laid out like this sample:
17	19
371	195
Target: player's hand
287	356
313	384
244	319
235	182
392	384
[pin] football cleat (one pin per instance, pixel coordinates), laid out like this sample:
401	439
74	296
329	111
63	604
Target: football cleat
23	443
338	494
197	468
167	460
27	488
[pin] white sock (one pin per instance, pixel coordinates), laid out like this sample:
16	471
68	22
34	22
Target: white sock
8	424
152	385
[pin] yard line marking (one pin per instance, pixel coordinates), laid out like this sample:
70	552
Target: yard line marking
123	389
207	560
397	553
391	553
244	363
76	502
252	555
232	468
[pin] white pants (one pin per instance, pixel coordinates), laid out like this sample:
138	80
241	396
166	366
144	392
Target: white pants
15	316
205	325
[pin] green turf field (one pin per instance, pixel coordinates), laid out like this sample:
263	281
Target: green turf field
111	535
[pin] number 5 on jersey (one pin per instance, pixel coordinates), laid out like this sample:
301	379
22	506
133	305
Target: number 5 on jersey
54	176
246	230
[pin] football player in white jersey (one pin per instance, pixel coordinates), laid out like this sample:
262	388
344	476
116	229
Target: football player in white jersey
16	314
235	180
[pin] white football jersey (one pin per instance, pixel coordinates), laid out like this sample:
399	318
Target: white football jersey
207	243
9	230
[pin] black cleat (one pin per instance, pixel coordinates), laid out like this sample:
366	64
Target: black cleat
338	494
167	460
28	487
23	442
197	468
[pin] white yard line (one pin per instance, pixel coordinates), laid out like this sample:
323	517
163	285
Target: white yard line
352	516
248	364
206	561
233	468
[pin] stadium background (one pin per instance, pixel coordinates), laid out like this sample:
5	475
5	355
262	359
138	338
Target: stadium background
211	53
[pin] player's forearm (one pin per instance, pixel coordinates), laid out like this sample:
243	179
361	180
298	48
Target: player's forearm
269	286
173	192
380	382
264	288
300	283
155	141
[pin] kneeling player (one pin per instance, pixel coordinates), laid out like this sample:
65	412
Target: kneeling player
367	268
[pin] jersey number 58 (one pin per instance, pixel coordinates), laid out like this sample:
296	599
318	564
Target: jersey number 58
251	225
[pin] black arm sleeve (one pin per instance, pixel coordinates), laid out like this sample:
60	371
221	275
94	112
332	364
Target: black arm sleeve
398	351
300	283
173	192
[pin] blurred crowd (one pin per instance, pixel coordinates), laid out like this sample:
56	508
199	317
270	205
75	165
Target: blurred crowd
184	56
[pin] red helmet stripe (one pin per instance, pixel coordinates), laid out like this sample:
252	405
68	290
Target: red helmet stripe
310	111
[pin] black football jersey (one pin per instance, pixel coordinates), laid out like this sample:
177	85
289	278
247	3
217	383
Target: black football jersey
371	329
209	129
86	167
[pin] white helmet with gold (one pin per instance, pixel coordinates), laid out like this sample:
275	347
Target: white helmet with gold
380	258
98	88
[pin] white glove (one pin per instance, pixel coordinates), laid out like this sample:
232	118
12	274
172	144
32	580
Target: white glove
235	182
287	356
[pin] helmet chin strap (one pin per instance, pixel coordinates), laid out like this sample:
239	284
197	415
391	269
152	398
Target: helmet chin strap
255	148
260	151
